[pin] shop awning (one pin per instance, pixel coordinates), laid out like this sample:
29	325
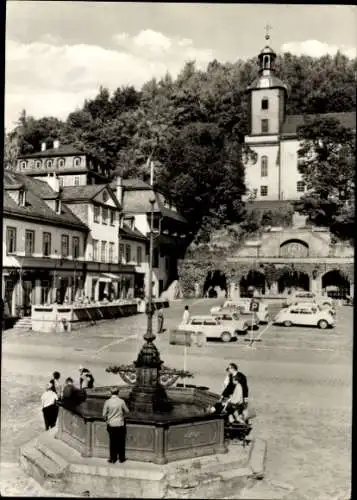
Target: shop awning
115	277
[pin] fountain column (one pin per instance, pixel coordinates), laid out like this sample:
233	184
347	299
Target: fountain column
147	395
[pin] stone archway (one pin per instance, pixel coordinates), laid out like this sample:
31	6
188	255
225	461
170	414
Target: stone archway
254	280
215	278
335	284
293	279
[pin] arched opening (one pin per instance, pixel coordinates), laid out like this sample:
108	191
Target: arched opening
294	249
214	281
290	280
254	282
335	284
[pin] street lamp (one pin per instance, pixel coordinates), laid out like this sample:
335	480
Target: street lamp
149	336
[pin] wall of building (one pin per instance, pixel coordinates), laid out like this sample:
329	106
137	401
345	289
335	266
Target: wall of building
43	163
272	113
253	178
290	175
39	228
102	232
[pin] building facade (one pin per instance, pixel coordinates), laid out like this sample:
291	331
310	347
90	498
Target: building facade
43	246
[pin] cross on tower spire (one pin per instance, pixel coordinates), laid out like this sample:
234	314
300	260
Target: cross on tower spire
267	30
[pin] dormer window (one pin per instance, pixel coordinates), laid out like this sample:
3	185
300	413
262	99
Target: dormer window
23	164
38	164
265	103
61	162
22	198
77	162
49	163
58	206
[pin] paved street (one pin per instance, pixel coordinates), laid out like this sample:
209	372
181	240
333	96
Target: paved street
300	383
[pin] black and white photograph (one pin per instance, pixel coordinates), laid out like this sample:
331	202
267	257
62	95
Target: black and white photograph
178	250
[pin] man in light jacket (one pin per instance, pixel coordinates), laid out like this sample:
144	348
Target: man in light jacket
114	411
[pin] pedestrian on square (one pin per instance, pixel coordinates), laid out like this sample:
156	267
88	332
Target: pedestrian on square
186	316
56	384
160	321
49	407
114	411
86	379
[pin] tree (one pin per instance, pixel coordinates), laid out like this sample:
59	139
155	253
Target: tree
327	164
11	149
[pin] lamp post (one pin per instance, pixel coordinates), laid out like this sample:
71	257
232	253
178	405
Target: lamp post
149	336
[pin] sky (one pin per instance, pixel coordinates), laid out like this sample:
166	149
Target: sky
58	53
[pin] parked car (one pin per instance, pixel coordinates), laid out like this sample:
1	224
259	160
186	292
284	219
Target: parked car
245	306
320	307
304	296
239	324
212	328
308	315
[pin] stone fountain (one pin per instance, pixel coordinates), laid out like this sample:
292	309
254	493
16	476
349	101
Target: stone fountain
166	426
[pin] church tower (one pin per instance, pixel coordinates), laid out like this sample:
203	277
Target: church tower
267	96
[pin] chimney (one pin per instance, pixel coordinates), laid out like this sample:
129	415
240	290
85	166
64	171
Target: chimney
43	146
56	144
53	182
119	190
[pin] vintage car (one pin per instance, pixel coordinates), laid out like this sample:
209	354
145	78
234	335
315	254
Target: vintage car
303	296
238	322
305	315
211	327
247	306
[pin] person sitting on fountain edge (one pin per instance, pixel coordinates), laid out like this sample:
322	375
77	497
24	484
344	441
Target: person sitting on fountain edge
234	376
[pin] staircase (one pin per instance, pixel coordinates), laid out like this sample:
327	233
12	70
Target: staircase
23	323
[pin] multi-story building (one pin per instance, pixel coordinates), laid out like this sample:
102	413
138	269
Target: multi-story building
43	245
273	137
170	228
72	166
97	206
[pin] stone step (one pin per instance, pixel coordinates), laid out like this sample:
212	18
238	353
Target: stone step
37	465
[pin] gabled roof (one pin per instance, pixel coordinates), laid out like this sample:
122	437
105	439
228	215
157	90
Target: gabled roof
292	122
36	208
62	150
86	193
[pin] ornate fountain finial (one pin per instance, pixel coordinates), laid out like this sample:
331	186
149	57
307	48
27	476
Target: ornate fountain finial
267	30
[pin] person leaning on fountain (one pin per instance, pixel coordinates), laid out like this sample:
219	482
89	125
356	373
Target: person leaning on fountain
114	411
233	378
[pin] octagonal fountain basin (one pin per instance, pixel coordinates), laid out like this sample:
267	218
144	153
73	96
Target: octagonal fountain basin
189	430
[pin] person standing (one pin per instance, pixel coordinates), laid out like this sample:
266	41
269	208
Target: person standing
186	316
114	411
160	321
56	384
86	379
49	407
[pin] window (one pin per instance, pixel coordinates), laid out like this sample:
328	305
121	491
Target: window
60	180
128	253
264	167
29	242
76	180
46	244
263	190
111	252
49	163
77	162
61	162
75	247
96	213
103	251
196	322
38	164
121	253
10	240
300	186
139	255
58	206
23	164
265	104
112	217
95	250
105	215
64	245
265	126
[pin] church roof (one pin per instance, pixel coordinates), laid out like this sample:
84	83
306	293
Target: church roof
267	82
292	122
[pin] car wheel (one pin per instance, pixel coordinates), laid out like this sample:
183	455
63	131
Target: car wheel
322	324
327	304
287	323
226	337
